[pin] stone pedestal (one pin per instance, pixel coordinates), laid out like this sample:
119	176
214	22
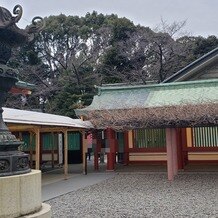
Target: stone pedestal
20	196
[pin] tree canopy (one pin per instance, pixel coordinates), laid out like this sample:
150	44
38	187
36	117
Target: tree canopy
73	54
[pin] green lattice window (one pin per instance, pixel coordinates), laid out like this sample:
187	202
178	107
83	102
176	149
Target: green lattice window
74	141
49	141
46	141
28	145
149	138
205	136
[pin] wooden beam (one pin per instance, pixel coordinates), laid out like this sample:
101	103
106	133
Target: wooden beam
19	127
59	129
25	127
65	155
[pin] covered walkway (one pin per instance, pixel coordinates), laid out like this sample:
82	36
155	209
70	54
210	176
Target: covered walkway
36	124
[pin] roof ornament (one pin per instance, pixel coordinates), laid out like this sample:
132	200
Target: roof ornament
6	19
11	33
37	25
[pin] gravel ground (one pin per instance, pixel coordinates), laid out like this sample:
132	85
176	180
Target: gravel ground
143	195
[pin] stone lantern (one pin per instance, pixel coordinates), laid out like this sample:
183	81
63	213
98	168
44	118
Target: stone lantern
12	161
20	194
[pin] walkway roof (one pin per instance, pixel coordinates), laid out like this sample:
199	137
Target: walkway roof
16	116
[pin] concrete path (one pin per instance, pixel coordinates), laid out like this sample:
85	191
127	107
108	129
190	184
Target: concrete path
75	182
54	184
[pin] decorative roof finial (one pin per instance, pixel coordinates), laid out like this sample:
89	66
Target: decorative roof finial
11	33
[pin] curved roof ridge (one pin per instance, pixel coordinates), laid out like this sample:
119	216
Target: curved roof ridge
192	65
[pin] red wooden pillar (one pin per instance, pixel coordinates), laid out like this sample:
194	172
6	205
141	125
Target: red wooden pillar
184	147
97	142
110	148
96	165
172	160
175	154
126	148
179	148
170	171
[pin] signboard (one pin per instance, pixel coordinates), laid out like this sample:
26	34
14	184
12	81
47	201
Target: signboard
60	148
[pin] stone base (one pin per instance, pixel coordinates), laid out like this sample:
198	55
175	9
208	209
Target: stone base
14	163
45	212
20	195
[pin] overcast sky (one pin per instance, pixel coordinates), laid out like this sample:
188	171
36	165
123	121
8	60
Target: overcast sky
201	15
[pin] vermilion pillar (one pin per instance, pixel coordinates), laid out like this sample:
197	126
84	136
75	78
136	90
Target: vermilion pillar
172	158
110	148
184	147
96	142
174	148
179	148
96	165
126	148
170	171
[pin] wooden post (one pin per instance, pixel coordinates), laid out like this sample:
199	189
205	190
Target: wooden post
130	138
170	170
31	149
65	155
84	149
37	154
110	161
179	148
126	148
174	149
20	136
98	144
96	165
110	135
52	151
184	147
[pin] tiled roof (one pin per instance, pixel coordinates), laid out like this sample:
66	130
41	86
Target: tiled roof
144	96
25	85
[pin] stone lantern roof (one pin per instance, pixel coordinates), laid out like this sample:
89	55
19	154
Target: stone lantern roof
12	161
10	32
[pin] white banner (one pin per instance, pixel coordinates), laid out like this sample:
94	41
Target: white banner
60	148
